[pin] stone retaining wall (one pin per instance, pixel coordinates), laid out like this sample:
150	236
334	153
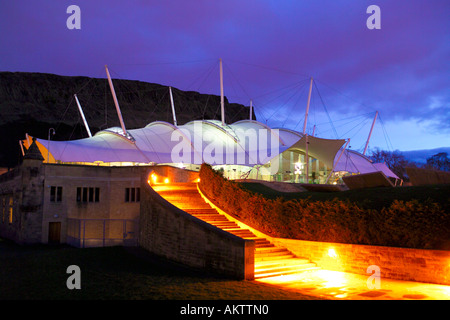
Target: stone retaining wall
431	266
169	232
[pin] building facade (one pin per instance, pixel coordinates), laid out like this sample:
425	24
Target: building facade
82	205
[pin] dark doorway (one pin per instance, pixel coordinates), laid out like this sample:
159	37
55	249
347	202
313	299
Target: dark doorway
54	232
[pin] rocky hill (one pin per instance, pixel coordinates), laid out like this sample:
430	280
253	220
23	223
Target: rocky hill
35	102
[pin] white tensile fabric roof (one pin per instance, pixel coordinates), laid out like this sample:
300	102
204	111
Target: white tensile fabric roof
245	142
354	162
384	168
318	148
249	141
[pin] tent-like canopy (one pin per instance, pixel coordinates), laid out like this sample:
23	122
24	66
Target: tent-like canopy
354	162
323	149
245	142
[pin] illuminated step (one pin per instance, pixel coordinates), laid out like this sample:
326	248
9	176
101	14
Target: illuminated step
263	244
227	227
179	193
273	257
258	239
277	252
174	191
224	226
174	188
272	249
194	211
270	260
211	216
240	235
287	270
186	200
298	266
281	262
213	219
218	222
183	205
239	230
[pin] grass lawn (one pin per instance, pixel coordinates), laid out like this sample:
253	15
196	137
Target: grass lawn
116	273
373	198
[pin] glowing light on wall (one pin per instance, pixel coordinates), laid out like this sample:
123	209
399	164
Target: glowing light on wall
153	179
332	253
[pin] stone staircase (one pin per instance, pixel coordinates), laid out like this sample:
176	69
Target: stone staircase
270	260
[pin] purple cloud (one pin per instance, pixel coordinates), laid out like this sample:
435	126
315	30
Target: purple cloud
400	70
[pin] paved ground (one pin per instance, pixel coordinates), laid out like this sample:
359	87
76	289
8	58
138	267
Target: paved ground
347	286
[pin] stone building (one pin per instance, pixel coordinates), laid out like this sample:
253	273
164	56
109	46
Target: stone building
82	205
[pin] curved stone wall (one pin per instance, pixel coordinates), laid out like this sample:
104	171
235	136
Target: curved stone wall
168	231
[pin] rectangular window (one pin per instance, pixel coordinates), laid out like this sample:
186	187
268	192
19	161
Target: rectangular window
59	194
52	194
91	194
55	194
85	194
88	194
132	194
97	194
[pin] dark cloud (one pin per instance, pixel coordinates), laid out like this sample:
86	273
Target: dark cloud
400	70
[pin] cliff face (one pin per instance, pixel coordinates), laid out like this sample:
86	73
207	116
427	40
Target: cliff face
35	102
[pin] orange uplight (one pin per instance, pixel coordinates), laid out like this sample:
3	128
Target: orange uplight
332	253
152	179
166	180
198	180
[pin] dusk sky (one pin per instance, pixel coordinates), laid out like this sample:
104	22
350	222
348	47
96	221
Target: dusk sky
270	49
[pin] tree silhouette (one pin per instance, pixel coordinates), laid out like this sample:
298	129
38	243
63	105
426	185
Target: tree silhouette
439	161
395	161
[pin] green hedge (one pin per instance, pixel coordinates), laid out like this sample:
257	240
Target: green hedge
410	224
